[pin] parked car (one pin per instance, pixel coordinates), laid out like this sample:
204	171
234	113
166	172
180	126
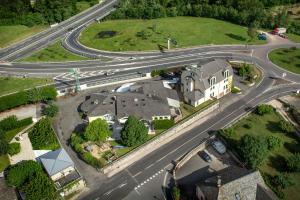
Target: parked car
205	156
219	146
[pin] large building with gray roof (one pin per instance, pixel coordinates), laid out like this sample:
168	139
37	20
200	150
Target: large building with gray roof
200	83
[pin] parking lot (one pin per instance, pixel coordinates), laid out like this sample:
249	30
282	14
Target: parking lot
197	169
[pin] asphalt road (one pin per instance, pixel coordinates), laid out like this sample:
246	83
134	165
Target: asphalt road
51	35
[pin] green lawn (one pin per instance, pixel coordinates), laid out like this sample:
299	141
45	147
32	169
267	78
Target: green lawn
288	59
53	53
264	126
13	34
294	38
187	31
10	84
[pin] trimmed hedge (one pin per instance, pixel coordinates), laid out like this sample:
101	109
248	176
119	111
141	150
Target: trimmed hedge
11	122
27	97
163	124
14	148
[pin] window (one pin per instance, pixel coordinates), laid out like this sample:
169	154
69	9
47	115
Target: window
212	81
226	73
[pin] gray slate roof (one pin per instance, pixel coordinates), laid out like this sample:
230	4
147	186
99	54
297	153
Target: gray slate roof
237	181
56	161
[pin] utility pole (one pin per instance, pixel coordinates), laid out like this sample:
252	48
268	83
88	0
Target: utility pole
75	72
169	43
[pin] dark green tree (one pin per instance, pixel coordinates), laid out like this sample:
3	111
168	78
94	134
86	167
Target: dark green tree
253	150
39	186
97	130
293	162
50	110
134	132
274	142
283	180
19	173
286	127
264	109
4	147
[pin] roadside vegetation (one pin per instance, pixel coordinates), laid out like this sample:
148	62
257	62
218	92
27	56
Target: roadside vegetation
265	141
249	73
140	35
27	97
53	53
9	128
16	33
288	59
12	84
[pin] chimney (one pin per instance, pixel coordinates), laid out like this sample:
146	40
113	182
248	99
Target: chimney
219	181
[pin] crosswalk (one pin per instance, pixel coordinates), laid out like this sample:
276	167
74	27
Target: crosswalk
69	76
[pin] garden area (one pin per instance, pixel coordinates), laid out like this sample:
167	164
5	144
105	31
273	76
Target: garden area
12	84
288	59
188	110
53	53
249	73
94	146
265	141
141	35
9	128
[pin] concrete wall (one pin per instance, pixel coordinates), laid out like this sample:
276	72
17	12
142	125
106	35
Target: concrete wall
179	129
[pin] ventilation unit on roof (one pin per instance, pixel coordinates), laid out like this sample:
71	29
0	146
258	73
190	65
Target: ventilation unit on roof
96	102
136	100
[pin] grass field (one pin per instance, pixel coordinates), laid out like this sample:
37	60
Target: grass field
52	53
288	59
294	38
82	5
268	125
9	84
139	35
4	162
12	34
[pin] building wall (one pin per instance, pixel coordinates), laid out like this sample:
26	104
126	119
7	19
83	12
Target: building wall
62	173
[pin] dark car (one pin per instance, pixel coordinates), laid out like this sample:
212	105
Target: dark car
205	156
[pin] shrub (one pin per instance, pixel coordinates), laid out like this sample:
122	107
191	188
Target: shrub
293	162
282	181
87	157
11	122
163	124
24	122
176	193
50	110
14	148
286	127
264	109
42	136
134	132
19	173
274	142
253	150
26	97
156	72
227	133
4	147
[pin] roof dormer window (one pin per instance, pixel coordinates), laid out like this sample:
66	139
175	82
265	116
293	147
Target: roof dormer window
212	81
226	73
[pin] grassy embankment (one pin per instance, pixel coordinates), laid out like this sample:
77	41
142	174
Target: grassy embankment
265	126
288	59
10	84
140	35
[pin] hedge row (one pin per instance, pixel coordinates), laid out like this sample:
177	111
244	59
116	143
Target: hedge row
12	122
27	97
163	124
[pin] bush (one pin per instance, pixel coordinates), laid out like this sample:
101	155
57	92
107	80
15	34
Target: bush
19	173
14	148
253	150
286	127
163	124
26	97
264	109
42	136
50	110
274	142
87	157
293	162
227	133
176	193
156	72
4	147
283	181
11	122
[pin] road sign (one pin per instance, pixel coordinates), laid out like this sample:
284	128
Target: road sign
283	75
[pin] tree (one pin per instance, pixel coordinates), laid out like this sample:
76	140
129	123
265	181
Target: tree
19	173
286	127
134	132
14	148
251	32
176	193
274	142
293	162
253	150
50	110
264	109
39	186
97	130
4	147
283	181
